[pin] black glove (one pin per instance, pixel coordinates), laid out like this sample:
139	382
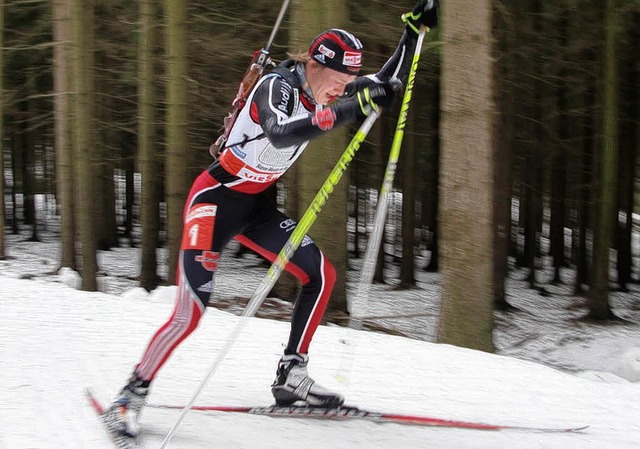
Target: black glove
379	95
425	13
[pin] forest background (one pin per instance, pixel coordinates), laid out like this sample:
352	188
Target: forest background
520	148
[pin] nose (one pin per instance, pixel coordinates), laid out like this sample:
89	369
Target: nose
339	89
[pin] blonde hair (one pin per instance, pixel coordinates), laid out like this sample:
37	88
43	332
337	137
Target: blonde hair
301	56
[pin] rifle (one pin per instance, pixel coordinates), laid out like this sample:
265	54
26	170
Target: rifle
261	59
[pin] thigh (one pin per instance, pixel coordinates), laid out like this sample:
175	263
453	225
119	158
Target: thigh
213	217
268	234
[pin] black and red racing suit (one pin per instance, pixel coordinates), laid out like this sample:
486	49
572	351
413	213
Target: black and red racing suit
228	201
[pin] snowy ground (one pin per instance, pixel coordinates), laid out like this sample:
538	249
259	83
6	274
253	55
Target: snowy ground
551	369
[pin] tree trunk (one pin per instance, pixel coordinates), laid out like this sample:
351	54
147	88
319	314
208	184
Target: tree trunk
627	148
504	49
584	182
2	209
147	147
432	150
62	34
16	158
535	156
598	295
466	209
128	166
559	152
329	231
408	224
82	18
177	182
106	227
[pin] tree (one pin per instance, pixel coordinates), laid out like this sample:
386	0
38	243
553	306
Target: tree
504	50
629	114
2	215
176	182
329	231
62	33
146	146
603	236
559	151
466	208
408	160
82	18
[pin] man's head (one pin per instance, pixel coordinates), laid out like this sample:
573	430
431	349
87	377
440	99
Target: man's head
336	58
338	50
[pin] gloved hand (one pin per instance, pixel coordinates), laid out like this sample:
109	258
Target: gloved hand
425	13
379	95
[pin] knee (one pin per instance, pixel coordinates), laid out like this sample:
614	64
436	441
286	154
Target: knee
323	275
329	273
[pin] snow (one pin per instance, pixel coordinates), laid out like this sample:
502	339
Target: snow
550	371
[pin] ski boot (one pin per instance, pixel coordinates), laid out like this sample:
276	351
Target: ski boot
123	415
293	384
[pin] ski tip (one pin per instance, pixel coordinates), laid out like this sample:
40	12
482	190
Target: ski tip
576	429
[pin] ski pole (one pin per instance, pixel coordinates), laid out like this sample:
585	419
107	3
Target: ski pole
283	257
373	245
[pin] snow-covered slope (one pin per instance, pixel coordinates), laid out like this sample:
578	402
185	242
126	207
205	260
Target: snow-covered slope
55	341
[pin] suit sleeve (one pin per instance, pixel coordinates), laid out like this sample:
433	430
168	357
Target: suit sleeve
397	66
274	102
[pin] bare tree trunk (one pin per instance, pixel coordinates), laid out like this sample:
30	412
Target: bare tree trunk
408	225
329	231
433	173
82	18
2	209
128	166
559	153
177	183
627	148
147	146
105	221
467	173
64	158
535	158
584	182
16	157
504	49
598	295
30	162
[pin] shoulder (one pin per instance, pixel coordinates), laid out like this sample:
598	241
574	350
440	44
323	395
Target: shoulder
275	83
275	94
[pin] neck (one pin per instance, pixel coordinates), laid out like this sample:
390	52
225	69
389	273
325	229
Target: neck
301	71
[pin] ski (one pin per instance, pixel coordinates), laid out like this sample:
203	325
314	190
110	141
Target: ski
348	412
119	441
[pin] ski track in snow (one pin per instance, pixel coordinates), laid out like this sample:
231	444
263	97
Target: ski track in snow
55	341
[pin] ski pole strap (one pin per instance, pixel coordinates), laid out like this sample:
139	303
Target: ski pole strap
365	102
412	19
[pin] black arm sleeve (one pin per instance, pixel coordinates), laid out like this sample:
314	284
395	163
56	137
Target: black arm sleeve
399	64
274	100
396	67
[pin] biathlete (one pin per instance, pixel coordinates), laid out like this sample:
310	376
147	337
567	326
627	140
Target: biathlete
304	98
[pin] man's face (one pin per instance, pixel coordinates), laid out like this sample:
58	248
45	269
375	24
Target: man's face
327	84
